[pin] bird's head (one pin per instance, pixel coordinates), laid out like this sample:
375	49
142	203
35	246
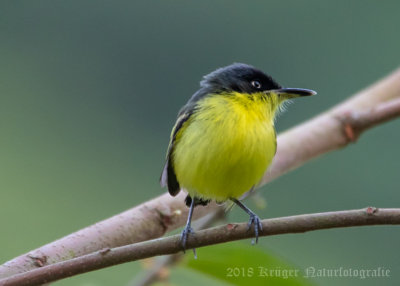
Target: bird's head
241	78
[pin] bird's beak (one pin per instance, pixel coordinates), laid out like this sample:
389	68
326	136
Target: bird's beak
289	93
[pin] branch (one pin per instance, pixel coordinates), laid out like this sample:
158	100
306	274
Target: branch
356	122
154	218
220	234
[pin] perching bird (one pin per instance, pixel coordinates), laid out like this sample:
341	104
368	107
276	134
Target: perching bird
224	138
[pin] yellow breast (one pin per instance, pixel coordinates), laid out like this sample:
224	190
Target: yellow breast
226	146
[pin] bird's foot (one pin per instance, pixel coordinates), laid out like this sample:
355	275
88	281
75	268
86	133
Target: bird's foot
185	234
255	220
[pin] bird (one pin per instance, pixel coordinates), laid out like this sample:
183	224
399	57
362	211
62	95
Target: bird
224	139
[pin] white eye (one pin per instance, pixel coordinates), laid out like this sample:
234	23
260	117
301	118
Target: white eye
256	84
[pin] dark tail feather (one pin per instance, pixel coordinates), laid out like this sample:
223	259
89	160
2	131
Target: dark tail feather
168	178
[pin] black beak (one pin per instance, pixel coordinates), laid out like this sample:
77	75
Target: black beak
294	92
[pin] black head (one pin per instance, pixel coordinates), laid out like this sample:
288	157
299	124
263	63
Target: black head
242	78
239	77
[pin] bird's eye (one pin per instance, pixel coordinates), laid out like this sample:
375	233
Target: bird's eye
256	84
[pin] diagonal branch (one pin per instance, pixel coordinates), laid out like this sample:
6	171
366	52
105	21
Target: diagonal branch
356	122
220	234
326	132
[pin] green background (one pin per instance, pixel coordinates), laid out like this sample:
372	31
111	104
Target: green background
89	91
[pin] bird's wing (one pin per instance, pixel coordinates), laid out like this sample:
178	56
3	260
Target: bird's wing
168	176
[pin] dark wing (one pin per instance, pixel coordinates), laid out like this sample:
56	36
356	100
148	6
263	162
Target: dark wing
168	176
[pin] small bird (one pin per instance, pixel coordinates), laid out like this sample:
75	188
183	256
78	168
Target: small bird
224	139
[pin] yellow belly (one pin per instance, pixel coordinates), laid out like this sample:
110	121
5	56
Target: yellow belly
224	148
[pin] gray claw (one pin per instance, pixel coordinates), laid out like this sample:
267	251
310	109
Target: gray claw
184	236
255	220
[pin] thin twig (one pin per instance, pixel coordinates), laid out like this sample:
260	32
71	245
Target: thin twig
220	234
322	134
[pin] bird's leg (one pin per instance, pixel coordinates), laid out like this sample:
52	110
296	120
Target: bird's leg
254	219
188	229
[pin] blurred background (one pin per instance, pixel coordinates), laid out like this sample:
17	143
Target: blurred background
89	91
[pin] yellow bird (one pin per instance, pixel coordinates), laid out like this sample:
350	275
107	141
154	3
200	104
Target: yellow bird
224	138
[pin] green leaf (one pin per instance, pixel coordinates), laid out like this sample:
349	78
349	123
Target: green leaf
241	264
187	276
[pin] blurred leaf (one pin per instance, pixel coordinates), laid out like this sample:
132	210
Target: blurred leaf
181	276
239	263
